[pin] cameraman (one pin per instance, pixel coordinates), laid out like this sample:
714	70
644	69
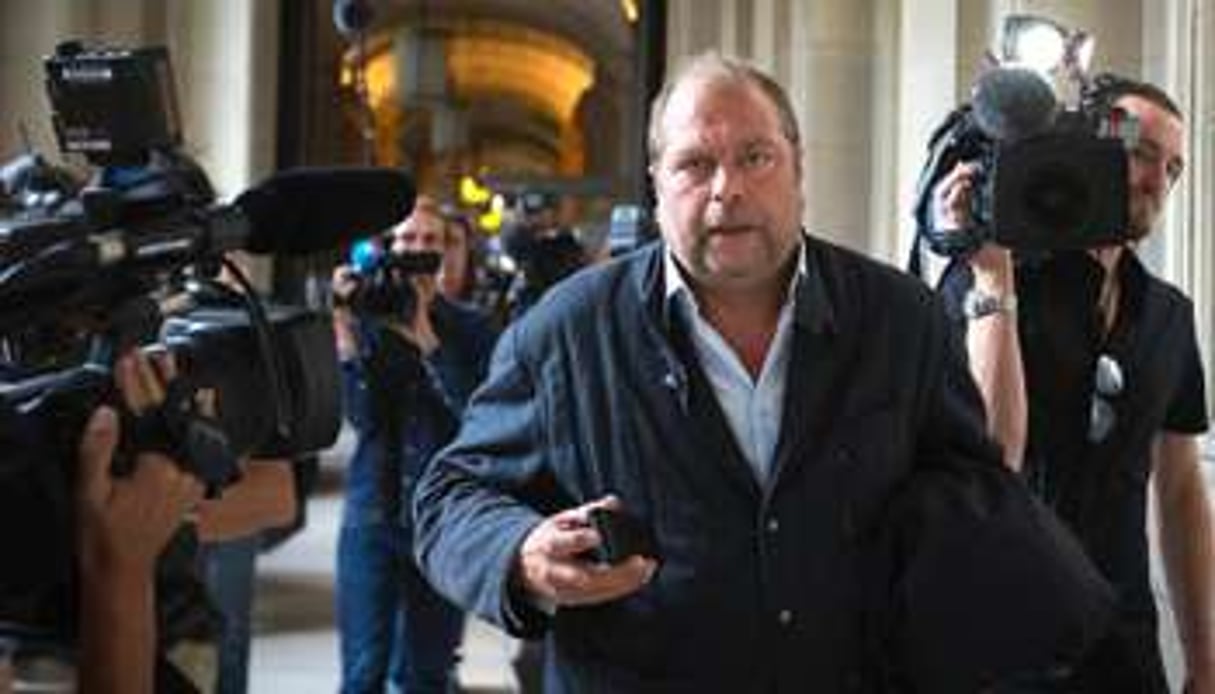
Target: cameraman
1090	370
405	381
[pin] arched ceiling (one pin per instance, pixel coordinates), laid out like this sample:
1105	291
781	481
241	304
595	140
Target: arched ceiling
600	27
511	67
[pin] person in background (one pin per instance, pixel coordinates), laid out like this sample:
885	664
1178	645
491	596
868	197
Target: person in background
406	373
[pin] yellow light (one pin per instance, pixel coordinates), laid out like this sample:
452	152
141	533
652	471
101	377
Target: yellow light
473	193
491	219
629	7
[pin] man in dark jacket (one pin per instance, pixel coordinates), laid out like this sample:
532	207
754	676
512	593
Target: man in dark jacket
748	395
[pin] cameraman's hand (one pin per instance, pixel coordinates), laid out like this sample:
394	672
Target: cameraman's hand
551	564
952	198
421	330
952	202
124	523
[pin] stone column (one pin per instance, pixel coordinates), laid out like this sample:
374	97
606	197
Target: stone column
922	75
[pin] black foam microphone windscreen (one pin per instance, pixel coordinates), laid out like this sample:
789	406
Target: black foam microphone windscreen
1012	102
306	210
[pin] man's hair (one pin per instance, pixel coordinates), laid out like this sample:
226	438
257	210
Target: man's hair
426	206
1108	88
716	68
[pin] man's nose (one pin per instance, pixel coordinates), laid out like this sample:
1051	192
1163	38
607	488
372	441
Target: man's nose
726	181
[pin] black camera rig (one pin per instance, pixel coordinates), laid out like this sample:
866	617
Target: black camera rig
1050	177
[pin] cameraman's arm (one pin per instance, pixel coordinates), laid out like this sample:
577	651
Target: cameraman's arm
992	342
124	523
1188	549
264	498
995	355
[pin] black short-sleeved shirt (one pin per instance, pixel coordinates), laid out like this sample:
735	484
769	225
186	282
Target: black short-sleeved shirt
1100	488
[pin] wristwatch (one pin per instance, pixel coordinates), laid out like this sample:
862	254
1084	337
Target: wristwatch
977	304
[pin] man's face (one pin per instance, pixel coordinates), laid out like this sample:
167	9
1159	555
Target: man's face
728	185
1155	163
421	231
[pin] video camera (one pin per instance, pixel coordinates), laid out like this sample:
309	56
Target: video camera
383	286
1051	176
134	259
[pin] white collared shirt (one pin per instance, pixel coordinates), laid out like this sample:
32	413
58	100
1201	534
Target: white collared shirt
753	408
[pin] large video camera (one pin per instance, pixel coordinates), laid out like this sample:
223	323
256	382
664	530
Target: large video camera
134	258
383	278
1052	176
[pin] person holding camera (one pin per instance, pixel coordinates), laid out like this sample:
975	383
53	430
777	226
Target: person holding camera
681	462
409	360
1090	370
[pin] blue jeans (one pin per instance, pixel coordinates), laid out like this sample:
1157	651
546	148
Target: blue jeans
229	569
392	626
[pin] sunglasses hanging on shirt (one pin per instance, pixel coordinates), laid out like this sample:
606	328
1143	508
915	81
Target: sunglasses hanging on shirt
1108	383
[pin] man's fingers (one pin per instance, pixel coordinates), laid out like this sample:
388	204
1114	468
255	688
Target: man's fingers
96	451
597	583
163	364
579	516
160	476
570	543
140	385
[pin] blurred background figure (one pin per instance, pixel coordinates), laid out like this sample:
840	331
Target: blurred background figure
543	250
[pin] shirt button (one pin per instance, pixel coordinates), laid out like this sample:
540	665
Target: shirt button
785	617
773	525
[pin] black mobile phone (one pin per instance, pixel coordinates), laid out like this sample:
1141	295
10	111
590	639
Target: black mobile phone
624	534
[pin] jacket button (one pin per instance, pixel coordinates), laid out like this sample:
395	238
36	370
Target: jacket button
785	617
772	526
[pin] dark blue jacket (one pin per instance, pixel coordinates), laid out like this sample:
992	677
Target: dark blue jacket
759	590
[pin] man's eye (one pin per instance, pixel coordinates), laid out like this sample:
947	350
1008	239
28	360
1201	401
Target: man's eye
694	165
758	158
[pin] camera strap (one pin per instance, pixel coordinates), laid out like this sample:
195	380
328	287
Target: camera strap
178	429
